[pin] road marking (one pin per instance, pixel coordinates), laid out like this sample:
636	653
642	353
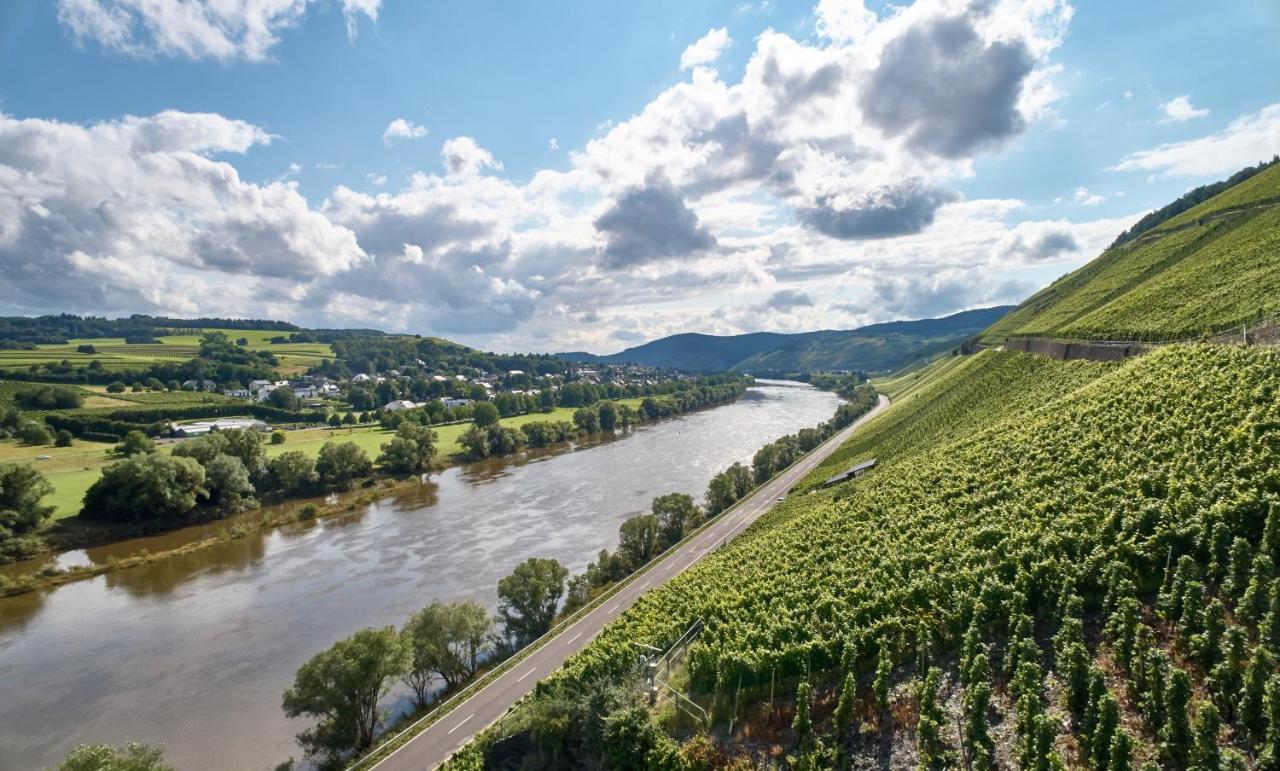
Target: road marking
526	674
575	637
615	607
464	720
645	584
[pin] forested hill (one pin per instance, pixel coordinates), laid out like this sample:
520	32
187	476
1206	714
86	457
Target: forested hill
1211	265
876	348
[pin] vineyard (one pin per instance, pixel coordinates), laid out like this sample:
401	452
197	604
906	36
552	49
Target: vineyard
1174	284
1081	571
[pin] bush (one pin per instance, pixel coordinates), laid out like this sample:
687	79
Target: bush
49	398
145	488
62	438
116	387
277	437
34	433
21	490
341	463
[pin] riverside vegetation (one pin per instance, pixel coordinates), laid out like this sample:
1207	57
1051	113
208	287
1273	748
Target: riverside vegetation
1053	564
445	645
229	471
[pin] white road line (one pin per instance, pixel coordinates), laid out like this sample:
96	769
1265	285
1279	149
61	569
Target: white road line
615	607
645	584
571	640
464	720
526	674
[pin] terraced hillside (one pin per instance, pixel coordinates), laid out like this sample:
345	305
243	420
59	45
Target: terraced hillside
995	594
1209	268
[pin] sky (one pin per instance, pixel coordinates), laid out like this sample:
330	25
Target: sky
586	176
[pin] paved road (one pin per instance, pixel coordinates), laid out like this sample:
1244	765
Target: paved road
431	747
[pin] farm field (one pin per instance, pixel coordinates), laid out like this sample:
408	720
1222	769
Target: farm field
72	470
117	356
1003	481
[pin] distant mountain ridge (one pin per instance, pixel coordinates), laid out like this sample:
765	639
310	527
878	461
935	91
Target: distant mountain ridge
882	347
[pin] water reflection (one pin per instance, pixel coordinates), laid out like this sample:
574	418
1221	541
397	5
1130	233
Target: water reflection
194	651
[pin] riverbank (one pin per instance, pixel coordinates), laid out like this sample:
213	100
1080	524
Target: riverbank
42	570
193	651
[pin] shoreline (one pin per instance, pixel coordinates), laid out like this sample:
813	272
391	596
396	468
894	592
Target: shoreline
374	488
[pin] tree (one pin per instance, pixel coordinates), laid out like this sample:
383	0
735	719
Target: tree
340	463
145	488
484	414
134	443
277	437
608	415
21	490
284	398
677	516
49	397
1120	755
104	757
63	438
638	539
527	598
411	451
293	472
34	433
334	421
341	688
227	483
446	641
1104	731
587	419
116	387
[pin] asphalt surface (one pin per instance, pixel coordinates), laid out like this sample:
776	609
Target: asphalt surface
448	734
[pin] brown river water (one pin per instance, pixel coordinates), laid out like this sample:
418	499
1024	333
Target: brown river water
193	652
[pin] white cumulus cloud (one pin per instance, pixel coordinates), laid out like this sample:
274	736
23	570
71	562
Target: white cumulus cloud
706	50
1246	141
400	128
1180	109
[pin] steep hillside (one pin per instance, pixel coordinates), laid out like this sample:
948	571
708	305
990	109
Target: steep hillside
875	348
1209	268
1011	543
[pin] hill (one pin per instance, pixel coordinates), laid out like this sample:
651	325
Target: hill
999	581
876	348
1206	267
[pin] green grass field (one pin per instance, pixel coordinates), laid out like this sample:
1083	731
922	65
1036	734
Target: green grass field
116	356
72	470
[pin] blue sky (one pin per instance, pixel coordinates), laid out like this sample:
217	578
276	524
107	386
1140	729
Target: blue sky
810	166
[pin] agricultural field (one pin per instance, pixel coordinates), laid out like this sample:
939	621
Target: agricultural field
1176	286
72	470
117	356
1018	498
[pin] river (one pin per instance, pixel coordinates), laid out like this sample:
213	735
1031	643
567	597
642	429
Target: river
194	652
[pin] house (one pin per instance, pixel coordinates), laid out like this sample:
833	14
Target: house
256	385
361	378
329	389
439	378
451	402
399	405
305	390
200	385
265	391
515	372
850	473
238	393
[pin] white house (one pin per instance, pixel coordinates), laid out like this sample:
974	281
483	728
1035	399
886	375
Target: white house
399	405
256	385
265	391
361	378
305	391
329	389
451	402
238	393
